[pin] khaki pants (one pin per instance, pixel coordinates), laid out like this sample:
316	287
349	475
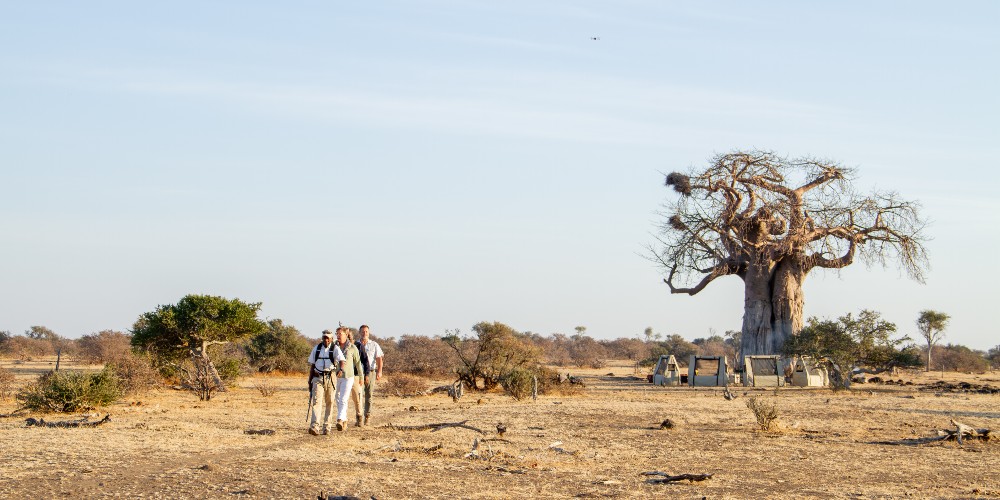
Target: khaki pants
357	397
369	388
322	409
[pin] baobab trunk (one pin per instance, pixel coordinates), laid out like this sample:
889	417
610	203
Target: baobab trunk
787	301
757	313
772	310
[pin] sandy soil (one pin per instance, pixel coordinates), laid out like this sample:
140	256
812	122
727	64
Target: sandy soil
167	444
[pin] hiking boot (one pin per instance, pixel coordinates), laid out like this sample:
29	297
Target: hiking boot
313	431
366	419
357	423
326	431
340	425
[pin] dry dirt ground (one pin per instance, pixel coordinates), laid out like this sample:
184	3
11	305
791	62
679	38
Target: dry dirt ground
167	444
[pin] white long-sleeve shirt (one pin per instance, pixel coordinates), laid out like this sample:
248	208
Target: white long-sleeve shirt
324	358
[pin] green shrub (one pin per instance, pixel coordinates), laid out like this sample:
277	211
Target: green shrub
70	391
518	383
229	369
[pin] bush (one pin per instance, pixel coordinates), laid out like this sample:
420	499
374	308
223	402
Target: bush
422	356
26	349
550	383
765	412
519	382
104	346
403	384
6	384
135	373
280	348
229	369
70	391
959	358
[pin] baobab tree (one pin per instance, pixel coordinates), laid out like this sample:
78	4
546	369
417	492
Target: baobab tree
770	220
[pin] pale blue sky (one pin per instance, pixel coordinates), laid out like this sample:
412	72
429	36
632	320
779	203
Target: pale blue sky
426	165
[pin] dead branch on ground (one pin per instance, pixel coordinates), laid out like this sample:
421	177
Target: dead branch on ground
960	433
32	422
434	427
667	478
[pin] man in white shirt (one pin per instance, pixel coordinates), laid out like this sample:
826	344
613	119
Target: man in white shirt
373	352
325	360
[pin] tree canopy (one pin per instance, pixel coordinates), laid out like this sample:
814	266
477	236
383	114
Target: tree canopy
196	321
931	325
188	328
770	220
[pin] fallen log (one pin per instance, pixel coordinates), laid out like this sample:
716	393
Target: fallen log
455	390
667	478
959	434
964	431
40	422
435	427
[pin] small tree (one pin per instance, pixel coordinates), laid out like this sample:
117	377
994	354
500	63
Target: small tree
5	337
864	340
931	325
993	356
58	344
423	356
188	328
280	347
495	352
648	334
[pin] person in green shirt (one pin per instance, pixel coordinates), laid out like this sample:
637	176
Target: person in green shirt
345	377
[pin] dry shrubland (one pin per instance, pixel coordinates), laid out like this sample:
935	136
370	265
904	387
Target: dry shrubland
595	443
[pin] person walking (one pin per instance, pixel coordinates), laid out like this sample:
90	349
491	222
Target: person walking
345	377
325	360
357	397
373	367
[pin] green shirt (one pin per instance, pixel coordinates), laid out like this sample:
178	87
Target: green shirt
352	367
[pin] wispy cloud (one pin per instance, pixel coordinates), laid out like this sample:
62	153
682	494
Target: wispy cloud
551	105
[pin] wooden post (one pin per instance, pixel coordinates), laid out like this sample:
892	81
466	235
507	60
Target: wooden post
58	357
534	388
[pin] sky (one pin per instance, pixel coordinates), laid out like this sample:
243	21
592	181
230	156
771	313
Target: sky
421	166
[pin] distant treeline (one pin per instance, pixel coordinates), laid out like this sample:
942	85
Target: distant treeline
283	348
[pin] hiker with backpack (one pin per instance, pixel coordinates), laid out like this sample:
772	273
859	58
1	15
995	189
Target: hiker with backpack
326	362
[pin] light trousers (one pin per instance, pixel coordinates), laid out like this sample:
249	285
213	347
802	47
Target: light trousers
358	397
343	392
322	408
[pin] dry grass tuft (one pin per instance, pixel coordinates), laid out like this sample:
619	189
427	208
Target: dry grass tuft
6	384
765	412
265	387
405	385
